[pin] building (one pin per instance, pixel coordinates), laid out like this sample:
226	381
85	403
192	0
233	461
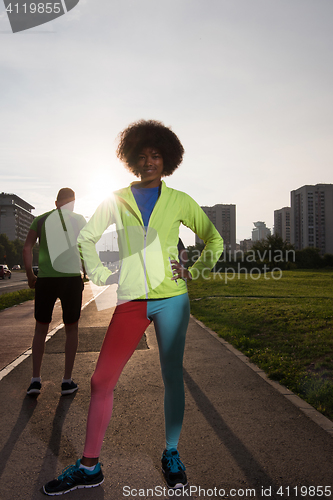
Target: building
312	217
260	232
15	216
282	223
245	245
224	219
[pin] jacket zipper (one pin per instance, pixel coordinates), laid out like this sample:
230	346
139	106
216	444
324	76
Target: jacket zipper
145	261
145	248
145	245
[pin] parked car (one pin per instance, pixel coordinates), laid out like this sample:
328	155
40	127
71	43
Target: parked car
5	272
16	268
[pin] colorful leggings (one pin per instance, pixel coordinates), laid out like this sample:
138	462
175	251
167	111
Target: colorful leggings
129	322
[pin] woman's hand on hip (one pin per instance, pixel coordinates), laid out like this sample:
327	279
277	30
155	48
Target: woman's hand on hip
179	272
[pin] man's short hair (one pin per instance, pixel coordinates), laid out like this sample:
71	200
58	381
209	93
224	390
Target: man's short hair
66	194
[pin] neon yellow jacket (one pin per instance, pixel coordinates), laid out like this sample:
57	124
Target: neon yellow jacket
145	253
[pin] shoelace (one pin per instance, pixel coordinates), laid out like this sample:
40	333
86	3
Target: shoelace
67	472
174	463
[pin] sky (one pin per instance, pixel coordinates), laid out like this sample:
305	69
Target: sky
245	84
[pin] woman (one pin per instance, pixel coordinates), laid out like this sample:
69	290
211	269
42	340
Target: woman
151	287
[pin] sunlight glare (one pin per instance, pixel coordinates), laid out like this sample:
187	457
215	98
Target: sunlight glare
100	185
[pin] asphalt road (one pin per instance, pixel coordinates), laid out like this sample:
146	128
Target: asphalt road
18	281
244	437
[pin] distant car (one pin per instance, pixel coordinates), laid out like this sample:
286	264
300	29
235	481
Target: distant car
5	272
16	268
35	270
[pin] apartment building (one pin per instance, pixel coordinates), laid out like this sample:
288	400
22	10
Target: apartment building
224	219
15	216
312	217
282	223
245	245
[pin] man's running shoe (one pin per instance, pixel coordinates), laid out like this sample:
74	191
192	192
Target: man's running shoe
72	478
68	388
173	469
34	388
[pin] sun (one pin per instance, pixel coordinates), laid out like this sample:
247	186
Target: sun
98	186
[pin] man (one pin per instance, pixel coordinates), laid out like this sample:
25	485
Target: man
59	276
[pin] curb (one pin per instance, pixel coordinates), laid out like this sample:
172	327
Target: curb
325	423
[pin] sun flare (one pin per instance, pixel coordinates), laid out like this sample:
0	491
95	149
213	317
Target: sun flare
99	186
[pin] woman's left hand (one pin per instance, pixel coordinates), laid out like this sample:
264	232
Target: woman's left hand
179	272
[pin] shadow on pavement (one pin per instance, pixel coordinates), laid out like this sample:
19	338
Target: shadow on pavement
53	451
28	407
245	460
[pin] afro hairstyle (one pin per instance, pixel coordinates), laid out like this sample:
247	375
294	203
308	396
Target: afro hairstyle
149	133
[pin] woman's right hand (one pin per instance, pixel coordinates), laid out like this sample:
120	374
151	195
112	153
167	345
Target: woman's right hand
179	272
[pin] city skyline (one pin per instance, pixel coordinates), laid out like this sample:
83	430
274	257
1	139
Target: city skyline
223	217
246	86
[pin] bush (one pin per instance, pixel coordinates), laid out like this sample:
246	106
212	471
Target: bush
328	260
308	258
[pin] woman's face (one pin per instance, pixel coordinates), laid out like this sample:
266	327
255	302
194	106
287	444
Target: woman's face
150	166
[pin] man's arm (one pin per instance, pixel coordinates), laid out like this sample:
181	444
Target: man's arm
27	257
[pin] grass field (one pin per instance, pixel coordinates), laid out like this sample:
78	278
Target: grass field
285	325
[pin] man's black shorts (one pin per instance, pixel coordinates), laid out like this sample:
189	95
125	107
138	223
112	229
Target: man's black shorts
68	290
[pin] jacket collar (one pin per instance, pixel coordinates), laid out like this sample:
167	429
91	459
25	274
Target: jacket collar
127	197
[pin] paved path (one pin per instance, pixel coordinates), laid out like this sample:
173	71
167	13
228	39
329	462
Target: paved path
18	325
242	438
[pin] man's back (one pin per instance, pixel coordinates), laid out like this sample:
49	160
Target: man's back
57	232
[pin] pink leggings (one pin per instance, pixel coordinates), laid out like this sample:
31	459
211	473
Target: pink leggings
127	326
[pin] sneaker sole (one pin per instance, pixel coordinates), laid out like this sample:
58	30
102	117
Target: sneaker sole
69	391
176	486
33	392
78	487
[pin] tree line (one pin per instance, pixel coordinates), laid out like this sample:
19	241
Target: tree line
11	252
272	252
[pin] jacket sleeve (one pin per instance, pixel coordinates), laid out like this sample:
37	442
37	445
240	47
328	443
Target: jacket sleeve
196	219
87	239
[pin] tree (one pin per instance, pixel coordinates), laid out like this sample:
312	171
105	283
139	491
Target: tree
328	260
309	258
193	253
11	251
2	254
274	251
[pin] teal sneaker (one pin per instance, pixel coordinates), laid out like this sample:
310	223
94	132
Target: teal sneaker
73	478
173	469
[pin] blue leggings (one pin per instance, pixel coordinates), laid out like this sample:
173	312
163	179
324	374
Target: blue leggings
128	323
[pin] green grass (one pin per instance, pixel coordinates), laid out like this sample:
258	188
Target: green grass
14	298
284	326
